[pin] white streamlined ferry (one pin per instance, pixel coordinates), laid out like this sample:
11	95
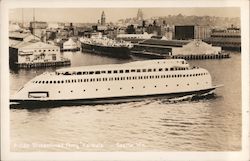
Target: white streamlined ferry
116	83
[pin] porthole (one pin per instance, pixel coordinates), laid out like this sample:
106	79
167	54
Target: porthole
155	86
188	84
132	87
120	88
59	91
84	90
109	89
96	89
71	91
143	86
177	85
166	85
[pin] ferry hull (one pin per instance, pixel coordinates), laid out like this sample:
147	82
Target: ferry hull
108	100
117	52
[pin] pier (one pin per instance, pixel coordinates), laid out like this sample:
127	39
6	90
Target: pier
43	64
186	57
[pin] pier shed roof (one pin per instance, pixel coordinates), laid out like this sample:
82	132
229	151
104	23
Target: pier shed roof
157	42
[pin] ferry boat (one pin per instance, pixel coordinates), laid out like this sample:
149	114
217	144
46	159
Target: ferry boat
116	83
105	46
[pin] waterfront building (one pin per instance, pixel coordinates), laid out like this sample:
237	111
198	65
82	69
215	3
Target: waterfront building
17	37
34	53
70	45
229	38
174	48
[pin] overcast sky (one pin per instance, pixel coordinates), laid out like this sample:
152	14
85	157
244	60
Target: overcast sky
85	15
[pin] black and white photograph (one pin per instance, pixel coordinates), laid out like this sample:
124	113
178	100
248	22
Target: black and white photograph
112	79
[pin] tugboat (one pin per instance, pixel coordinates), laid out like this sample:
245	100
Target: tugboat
98	44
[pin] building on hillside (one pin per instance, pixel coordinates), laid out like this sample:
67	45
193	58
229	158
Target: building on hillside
38	29
188	32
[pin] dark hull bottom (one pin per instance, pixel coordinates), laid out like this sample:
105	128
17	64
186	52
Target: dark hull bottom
112	100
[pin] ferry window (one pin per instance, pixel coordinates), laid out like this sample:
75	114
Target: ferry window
149	70
103	71
84	80
103	79
106	79
188	84
84	73
40	50
74	73
166	69
109	72
143	87
110	79
171	69
144	70
184	75
54	81
108	88
67	73
97	72
71	91
84	90
91	72
132	87
78	73
59	91
154	70
160	69
126	71
44	50
115	71
121	71
118	78
47	82
177	85
153	76
50	82
193	74
43	82
120	88
87	80
155	86
166	85
132	70
138	70
91	80
62	81
58	81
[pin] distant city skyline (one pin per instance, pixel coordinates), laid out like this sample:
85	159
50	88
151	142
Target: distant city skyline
92	15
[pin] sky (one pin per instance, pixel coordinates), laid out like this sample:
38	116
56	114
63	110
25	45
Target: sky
91	15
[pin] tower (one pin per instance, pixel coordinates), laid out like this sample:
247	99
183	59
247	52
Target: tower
103	18
139	15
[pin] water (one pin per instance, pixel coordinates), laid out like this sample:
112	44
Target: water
150	125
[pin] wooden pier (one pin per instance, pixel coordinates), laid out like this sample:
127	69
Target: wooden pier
43	64
187	57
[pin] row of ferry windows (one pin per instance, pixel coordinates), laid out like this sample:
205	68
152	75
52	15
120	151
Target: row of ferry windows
133	87
122	71
120	78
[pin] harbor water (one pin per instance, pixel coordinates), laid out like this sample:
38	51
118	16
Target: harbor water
210	124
